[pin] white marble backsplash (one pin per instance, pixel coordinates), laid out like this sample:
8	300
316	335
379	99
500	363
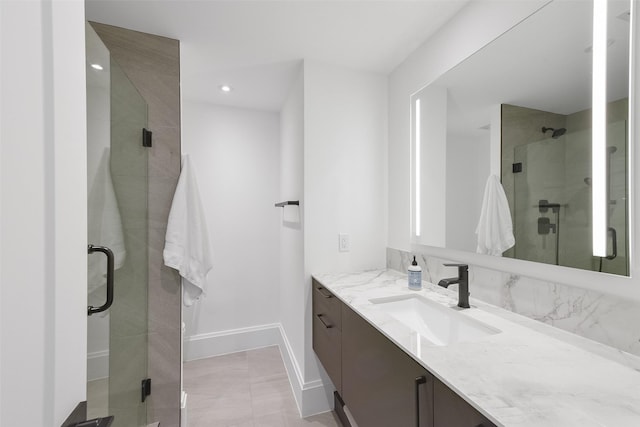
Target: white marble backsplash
604	318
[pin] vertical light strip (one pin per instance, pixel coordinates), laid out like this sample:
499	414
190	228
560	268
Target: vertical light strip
599	137
418	177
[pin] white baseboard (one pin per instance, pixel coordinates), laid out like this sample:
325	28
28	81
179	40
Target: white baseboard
97	365
312	397
218	343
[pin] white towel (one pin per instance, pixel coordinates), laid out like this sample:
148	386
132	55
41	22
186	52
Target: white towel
186	246
495	229
104	224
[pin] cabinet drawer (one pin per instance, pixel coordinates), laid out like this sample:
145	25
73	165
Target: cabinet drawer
326	305
327	343
381	384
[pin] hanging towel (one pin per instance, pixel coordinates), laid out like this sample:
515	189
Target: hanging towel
186	246
495	229
104	224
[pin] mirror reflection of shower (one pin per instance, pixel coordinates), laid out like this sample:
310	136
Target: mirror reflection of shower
548	185
557	133
545	226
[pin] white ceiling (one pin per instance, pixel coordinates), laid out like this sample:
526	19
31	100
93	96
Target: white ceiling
256	46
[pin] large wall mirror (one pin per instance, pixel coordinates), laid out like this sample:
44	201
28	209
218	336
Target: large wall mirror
527	112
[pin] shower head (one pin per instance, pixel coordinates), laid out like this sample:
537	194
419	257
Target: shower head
557	133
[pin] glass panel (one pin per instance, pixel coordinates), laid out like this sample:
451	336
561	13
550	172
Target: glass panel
117	216
100	191
128	325
552	199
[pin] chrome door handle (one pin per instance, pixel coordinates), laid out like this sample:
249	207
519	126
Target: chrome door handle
110	272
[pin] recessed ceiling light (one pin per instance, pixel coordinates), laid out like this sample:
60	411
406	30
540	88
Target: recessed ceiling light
226	88
97	67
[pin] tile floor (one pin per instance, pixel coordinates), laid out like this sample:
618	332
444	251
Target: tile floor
244	389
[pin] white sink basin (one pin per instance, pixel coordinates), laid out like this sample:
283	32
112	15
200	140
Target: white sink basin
437	324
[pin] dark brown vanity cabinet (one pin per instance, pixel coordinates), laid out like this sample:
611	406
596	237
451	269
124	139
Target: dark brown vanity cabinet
327	339
380	384
453	411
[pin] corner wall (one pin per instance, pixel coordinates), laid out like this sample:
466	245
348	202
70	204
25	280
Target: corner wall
345	158
332	158
292	226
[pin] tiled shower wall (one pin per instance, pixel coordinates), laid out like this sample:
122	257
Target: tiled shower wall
604	318
152	63
567	163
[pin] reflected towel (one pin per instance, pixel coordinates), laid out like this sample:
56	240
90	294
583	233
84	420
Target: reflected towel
495	229
104	224
186	245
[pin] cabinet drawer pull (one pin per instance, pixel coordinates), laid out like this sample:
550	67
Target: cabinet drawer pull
324	292
326	325
419	381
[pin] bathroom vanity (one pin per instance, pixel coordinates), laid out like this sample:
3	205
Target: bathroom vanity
482	366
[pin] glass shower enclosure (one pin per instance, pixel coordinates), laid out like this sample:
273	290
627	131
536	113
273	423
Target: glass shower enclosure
552	200
117	185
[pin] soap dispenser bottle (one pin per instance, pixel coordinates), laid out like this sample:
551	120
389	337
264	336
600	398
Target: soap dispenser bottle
415	276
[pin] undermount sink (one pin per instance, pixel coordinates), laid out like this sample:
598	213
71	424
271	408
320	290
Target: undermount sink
437	324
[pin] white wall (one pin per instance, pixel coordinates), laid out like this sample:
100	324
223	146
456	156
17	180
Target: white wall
235	153
43	218
344	167
291	263
345	158
476	25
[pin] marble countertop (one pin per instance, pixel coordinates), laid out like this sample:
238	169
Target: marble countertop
529	374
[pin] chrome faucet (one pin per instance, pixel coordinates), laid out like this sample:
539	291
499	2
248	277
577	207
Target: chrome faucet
463	283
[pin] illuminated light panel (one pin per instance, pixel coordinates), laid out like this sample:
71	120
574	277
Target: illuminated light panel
418	212
599	136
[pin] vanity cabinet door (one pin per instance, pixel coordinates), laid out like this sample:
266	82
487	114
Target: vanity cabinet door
327	339
450	410
380	382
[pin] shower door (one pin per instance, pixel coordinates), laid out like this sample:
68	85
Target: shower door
537	230
552	201
117	218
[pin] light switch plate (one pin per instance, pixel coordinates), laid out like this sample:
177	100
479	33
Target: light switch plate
344	242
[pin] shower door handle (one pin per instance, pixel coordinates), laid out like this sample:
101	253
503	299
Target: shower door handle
110	273
614	243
